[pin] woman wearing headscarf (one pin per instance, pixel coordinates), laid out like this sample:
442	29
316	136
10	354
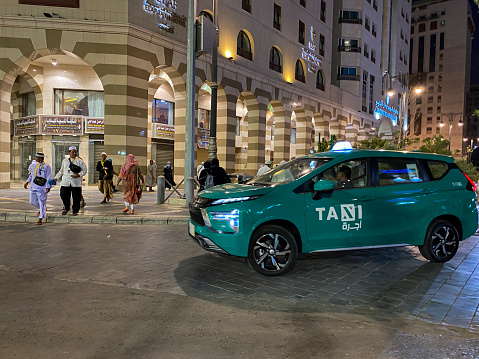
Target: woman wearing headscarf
151	176
168	173
133	179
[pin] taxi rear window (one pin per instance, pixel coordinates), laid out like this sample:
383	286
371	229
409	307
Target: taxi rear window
438	169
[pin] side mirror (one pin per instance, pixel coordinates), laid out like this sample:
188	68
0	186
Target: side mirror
323	185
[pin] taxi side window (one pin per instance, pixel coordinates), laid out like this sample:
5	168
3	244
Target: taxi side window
438	169
393	171
349	174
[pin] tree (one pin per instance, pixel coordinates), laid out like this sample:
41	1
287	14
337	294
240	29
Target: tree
375	143
436	144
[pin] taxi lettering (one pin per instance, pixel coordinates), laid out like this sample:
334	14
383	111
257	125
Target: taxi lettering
349	212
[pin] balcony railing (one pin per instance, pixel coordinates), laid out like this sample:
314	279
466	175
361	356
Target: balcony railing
275	67
344	20
349	77
245	53
300	77
349	48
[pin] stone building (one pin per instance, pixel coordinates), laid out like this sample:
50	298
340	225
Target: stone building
111	75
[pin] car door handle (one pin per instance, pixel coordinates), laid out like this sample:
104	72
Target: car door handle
365	198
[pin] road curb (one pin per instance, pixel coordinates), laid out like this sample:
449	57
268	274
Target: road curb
88	219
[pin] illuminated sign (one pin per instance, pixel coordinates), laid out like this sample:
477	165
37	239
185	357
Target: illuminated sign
166	12
49	125
383	109
309	54
94	125
26	126
164	131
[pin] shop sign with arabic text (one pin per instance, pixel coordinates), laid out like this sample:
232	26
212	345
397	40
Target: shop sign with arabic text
61	125
164	131
26	126
94	125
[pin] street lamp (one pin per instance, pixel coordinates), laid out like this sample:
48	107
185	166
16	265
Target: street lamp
405	80
450	117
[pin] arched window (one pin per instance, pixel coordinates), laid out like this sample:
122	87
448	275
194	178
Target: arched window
244	46
275	60
299	72
320	80
207	14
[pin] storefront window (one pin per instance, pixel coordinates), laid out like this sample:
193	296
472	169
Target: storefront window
85	103
29	104
163	112
203	128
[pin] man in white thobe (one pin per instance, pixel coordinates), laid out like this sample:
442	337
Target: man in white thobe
264	168
39	178
71	181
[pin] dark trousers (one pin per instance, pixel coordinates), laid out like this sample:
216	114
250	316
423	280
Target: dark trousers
75	193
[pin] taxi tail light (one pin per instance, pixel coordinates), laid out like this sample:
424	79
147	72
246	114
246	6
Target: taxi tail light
471	186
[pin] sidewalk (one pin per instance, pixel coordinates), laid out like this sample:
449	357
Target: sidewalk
15	207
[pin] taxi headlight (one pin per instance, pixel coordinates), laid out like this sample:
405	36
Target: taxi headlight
233	200
231	218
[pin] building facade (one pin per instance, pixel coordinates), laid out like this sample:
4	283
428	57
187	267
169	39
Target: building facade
440	64
111	76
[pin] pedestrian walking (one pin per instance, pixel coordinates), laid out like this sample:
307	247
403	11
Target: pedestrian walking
132	178
40	179
264	168
199	169
71	174
219	174
150	180
105	181
206	179
168	174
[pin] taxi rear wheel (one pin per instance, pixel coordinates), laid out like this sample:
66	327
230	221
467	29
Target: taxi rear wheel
441	242
272	251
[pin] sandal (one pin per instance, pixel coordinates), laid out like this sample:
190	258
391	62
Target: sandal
132	212
125	210
64	212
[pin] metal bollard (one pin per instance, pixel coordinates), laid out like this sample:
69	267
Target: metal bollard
189	190
160	190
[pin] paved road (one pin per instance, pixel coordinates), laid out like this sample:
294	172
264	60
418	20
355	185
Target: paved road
113	291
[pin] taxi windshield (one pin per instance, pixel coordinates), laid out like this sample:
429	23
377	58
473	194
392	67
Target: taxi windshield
288	172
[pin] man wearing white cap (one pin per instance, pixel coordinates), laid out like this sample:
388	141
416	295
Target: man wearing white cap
264	168
71	173
39	178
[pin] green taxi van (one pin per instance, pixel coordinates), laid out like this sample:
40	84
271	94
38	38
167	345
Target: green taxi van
339	200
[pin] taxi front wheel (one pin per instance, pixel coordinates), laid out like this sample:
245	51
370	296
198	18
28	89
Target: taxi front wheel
441	242
272	250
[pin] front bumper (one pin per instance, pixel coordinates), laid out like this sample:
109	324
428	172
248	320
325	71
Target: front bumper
228	243
201	240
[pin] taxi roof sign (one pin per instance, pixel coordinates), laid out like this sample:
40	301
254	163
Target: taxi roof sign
342	146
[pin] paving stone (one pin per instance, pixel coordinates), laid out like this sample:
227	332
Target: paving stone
15	217
80	219
3	215
128	220
57	218
154	221
103	219
177	220
31	218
